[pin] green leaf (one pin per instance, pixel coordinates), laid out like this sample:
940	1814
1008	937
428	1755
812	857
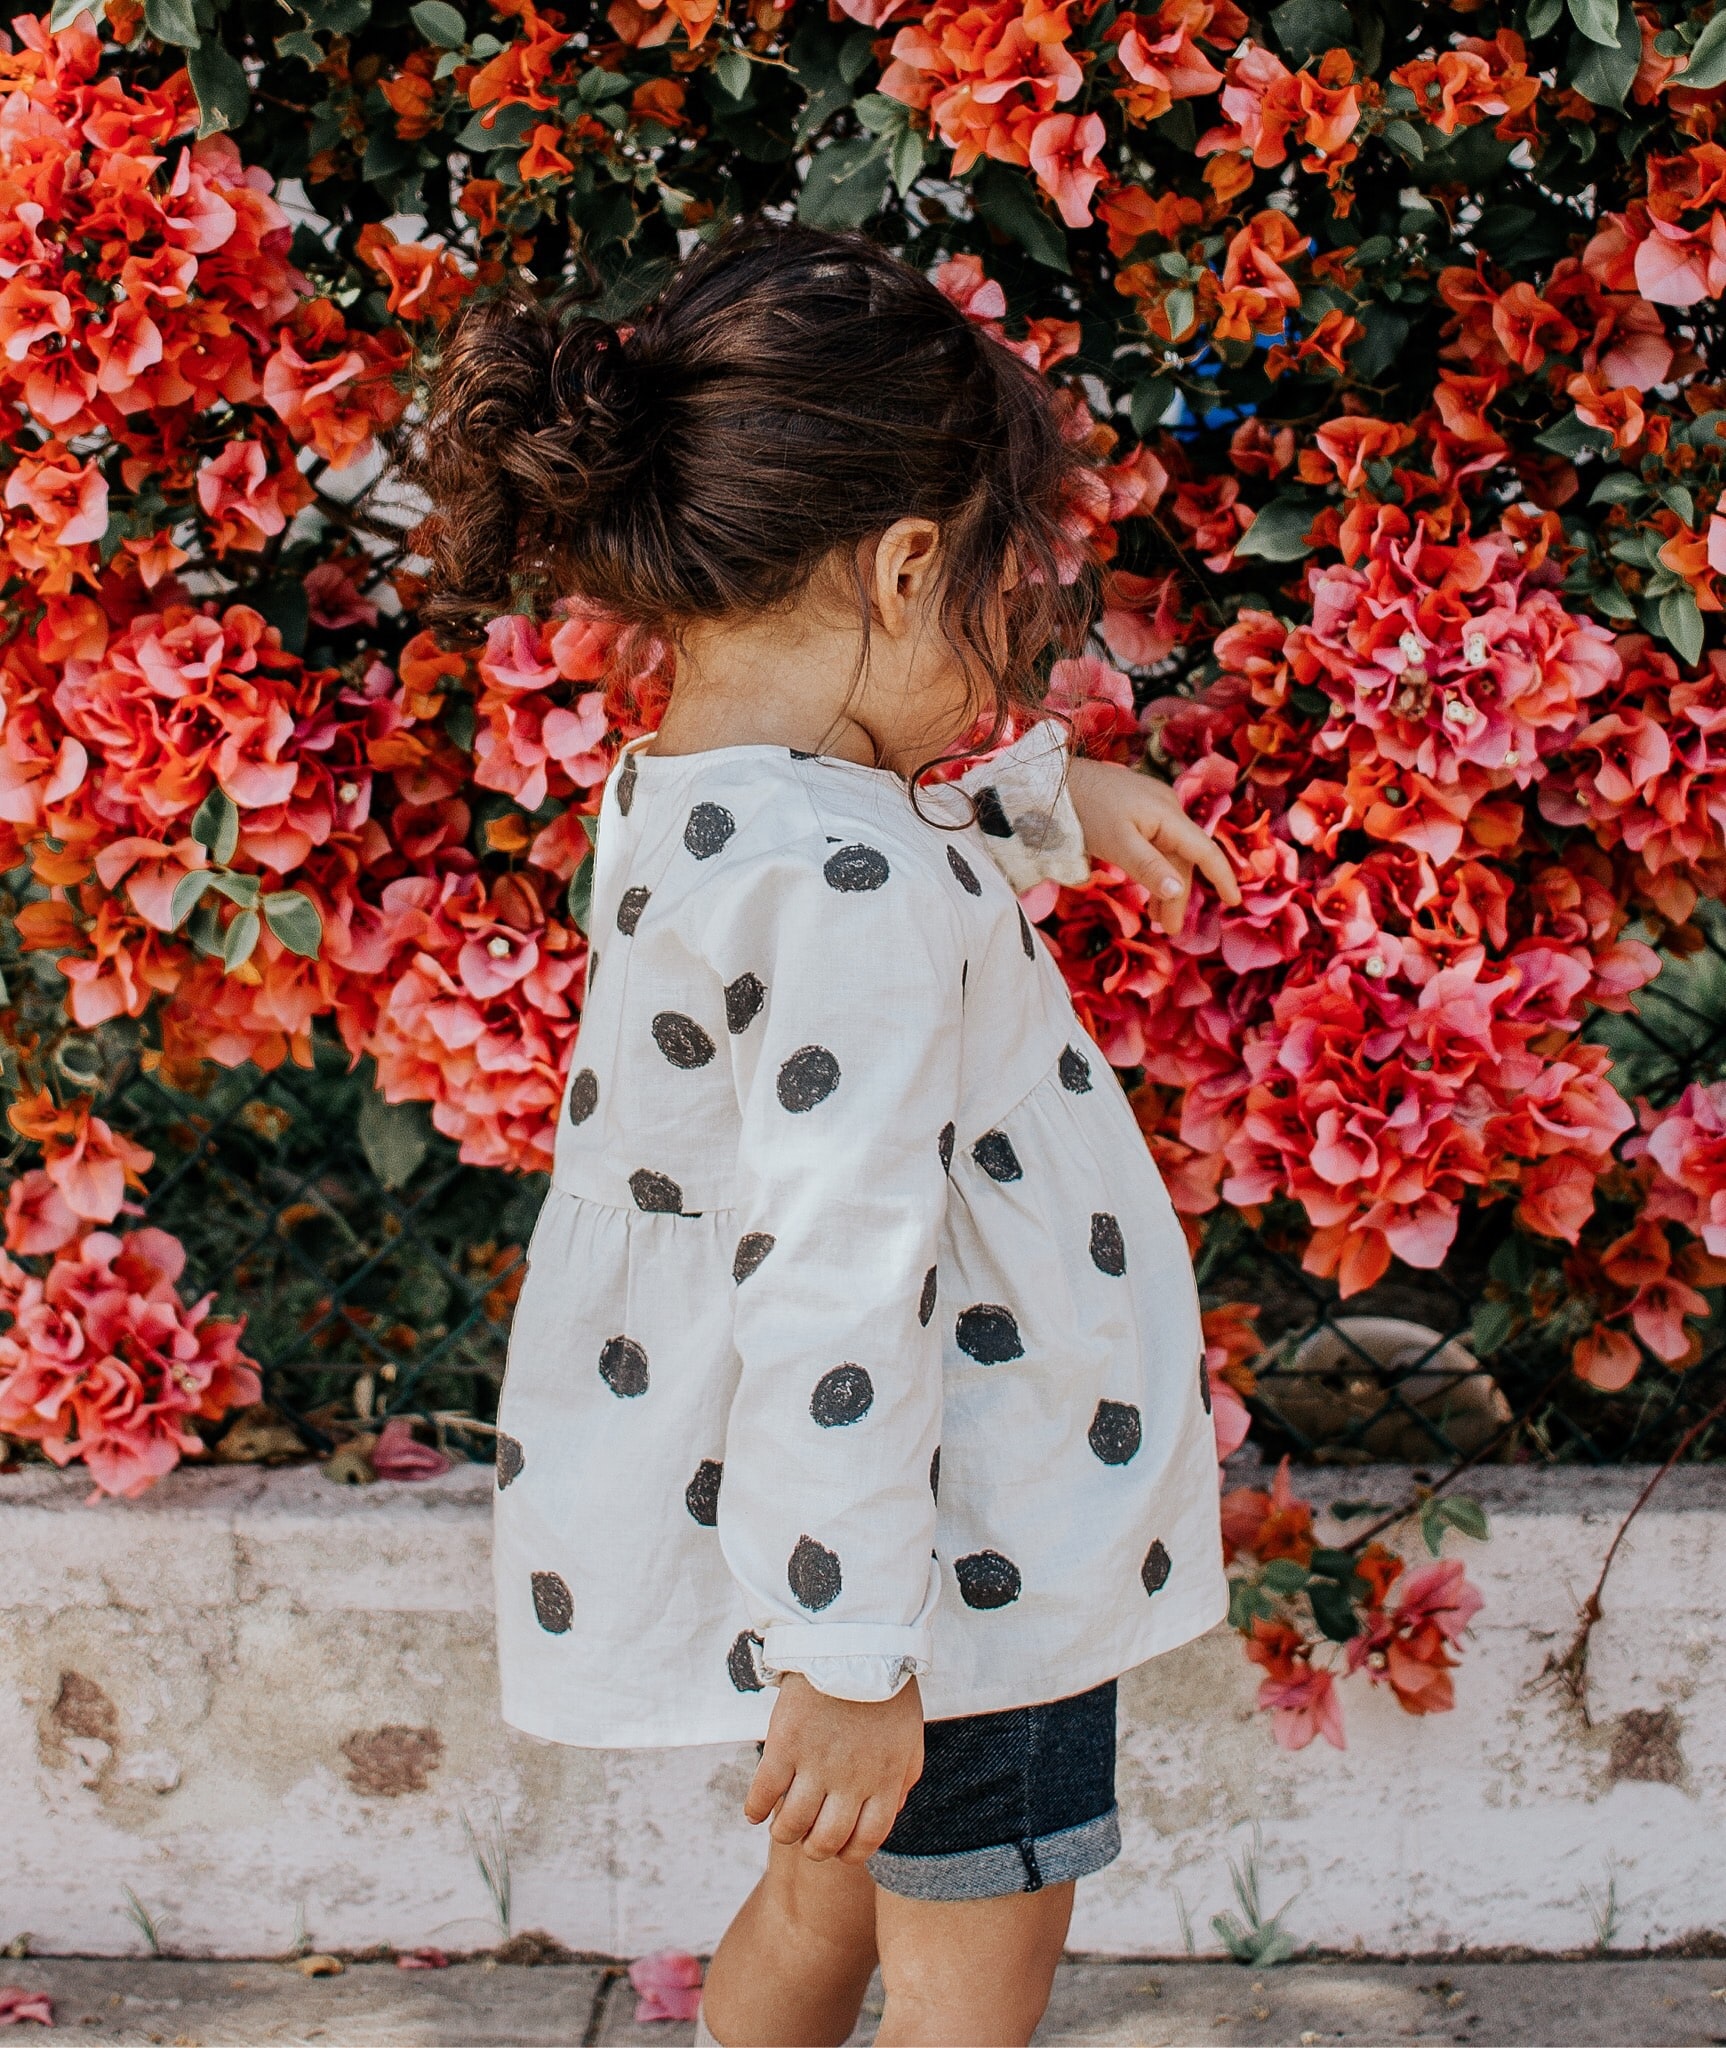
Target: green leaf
597	85
1490	1324
172	21
224	97
1571	436
1405	136
1307	28
1543	15
506	132
64	13
1597	19
1151	400
1608	598
1681	502
1005	200
856	54
240	940
295	921
216	826
1283	1577
733	71
303	44
1603	76
1278	532
846	185
1707	66
579	898
1681	623
880	115
1621	488
905	156
395	1137
1465	1515
240	889
1334	1610
337	17
1180	307
1379	347
439	23
188	891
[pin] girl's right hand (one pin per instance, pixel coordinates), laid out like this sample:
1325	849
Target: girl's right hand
834	1773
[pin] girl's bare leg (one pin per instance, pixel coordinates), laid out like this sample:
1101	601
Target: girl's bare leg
794	1965
971	1973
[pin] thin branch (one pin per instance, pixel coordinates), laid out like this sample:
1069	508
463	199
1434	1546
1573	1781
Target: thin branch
1571	1670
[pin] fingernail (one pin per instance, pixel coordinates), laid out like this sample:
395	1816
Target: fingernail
1168	887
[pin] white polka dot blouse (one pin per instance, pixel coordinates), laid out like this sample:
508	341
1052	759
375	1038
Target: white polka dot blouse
859	1337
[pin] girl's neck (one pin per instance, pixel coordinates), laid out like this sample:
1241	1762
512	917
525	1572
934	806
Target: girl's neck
786	681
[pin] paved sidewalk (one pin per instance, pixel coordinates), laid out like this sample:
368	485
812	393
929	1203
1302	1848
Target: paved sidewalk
1655	2004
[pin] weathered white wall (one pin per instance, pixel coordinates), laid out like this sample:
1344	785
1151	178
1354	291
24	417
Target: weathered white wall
192	1689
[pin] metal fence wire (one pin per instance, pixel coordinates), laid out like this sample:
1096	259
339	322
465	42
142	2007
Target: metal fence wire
378	1273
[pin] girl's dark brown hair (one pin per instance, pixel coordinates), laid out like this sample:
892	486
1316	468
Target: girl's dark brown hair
790	395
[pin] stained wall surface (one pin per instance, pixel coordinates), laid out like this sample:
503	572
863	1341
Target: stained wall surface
265	1706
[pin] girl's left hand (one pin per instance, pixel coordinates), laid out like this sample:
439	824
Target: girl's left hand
1136	824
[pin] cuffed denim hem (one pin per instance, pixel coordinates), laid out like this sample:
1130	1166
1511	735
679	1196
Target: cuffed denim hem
1007	1867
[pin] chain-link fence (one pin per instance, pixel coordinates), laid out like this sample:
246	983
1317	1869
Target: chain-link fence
377	1273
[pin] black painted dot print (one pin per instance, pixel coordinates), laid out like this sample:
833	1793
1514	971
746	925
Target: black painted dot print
510	1459
583	1096
926	1300
855	870
701	1495
989	1334
944	1145
552	1603
808	1077
814	1575
991	816
1116	1432
743	1000
1204	1383
1108	1247
1025	939
626	786
623	1367
842	1396
752	1248
935	1473
1154	1572
994	1153
1075	1072
963	872
630	906
658	1193
740	1665
681	1039
987	1579
709	827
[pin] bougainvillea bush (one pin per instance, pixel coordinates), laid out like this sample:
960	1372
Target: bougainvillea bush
1395	334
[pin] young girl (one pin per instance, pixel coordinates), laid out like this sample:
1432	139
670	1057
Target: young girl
855	1395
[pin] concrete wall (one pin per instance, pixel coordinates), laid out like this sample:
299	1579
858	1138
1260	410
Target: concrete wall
265	1704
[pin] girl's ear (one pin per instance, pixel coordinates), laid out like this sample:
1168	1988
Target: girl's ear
906	571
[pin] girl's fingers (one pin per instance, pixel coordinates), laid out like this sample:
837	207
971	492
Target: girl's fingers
874	1825
834	1826
770	1784
798	1812
1168	883
1178	837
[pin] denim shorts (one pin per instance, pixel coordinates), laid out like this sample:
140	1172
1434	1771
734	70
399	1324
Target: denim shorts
1008	1803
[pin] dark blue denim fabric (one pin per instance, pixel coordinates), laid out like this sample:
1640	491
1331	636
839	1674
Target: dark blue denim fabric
1038	1782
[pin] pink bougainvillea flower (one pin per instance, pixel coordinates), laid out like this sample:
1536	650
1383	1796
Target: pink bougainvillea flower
398	1453
667	1985
18	2004
1064	149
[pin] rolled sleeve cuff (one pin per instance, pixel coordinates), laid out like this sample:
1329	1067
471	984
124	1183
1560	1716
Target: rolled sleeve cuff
847	1660
1026	812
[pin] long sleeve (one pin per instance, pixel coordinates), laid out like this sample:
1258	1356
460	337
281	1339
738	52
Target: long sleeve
842	974
1025	812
